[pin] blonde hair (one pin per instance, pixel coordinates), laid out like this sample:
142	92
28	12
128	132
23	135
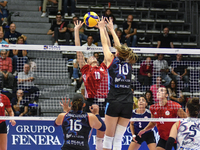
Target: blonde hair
127	54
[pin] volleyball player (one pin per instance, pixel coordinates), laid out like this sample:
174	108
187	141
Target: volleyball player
141	112
4	104
163	109
77	124
120	97
95	78
187	131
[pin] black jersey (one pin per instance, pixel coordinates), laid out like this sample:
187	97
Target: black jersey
76	129
120	81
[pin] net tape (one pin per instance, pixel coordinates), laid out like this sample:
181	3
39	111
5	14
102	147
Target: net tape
95	49
53	118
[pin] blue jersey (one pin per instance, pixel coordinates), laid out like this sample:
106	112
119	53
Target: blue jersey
120	81
141	125
76	129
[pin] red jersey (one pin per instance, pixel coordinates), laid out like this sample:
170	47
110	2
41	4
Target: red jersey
95	80
168	111
4	103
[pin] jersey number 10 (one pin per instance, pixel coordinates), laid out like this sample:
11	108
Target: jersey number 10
123	69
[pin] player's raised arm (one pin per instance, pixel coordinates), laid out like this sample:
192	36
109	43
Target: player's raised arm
107	54
110	27
80	56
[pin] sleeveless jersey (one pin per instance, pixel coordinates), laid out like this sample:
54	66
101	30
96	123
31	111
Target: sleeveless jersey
120	81
76	129
95	80
168	111
140	125
188	137
4	103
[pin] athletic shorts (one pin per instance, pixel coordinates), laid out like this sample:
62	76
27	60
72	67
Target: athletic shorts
99	102
147	137
118	109
162	143
3	127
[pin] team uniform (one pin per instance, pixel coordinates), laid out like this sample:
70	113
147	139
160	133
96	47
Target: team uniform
188	137
76	129
120	97
138	126
4	103
168	111
96	86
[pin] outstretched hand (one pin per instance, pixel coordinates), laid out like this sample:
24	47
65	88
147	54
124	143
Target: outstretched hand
65	105
101	23
78	25
110	23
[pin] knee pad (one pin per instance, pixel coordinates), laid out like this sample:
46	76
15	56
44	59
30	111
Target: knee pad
108	141
99	143
117	142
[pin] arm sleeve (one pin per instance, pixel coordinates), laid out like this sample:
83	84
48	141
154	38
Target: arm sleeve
6	35
52	28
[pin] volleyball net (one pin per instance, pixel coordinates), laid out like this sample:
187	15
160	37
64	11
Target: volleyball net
47	74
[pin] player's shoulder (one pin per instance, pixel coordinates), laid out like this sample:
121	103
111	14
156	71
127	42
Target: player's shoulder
172	103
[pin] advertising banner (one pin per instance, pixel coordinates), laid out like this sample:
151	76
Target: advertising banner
43	135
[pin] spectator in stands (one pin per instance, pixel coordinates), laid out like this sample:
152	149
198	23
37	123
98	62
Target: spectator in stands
20	104
72	7
70	26
135	100
53	1
75	71
89	43
19	57
59	30
121	38
130	31
3	12
145	73
1	39
96	55
149	98
165	40
154	88
160	68
175	94
179	69
12	35
25	83
6	77
108	13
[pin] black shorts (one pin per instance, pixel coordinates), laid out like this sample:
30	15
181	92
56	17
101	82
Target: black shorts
147	137
91	101
3	127
118	109
162	143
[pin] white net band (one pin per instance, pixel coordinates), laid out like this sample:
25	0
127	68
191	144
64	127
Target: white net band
95	49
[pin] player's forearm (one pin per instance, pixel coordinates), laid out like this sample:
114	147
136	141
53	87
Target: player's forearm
107	36
77	39
115	38
103	37
150	126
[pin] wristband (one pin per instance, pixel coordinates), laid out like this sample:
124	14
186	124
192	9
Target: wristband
133	135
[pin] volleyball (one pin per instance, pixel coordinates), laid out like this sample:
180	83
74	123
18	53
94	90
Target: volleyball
90	19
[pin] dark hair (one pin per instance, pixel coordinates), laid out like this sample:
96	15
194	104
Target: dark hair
77	102
144	98
95	53
20	37
151	99
175	86
193	106
107	10
119	30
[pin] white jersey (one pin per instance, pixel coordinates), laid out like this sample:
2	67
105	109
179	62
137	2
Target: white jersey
188	137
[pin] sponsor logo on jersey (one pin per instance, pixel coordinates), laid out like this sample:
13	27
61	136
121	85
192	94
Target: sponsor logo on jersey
68	136
101	69
155	113
117	79
167	113
1	104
